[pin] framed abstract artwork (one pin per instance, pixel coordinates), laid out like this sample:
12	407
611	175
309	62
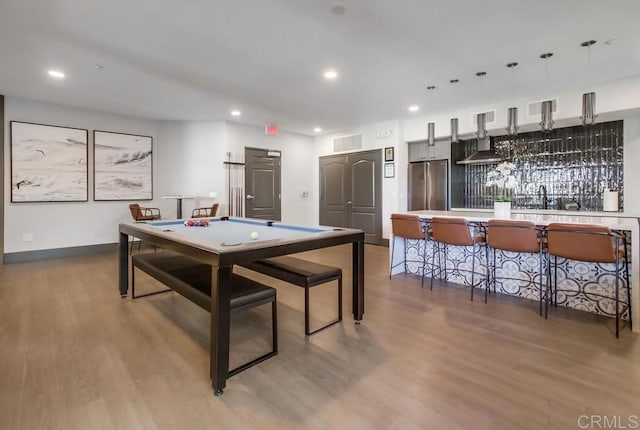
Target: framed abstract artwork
48	163
122	166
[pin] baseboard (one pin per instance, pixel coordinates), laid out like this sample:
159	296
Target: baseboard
48	254
76	251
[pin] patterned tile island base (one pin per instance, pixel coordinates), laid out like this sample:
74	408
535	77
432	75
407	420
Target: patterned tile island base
585	286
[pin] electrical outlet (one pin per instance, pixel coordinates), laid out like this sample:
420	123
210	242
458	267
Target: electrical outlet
27	237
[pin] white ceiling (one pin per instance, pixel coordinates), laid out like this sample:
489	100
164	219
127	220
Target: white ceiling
198	59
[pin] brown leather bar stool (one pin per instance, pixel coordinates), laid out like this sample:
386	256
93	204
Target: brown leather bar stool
458	232
516	236
412	228
593	244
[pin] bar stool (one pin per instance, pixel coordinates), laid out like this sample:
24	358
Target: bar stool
458	232
408	227
516	236
589	243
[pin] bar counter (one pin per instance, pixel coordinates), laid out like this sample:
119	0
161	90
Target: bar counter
517	274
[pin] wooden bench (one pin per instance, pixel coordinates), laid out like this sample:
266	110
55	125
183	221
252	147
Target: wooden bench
192	279
303	273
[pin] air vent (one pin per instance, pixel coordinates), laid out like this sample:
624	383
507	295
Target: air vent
489	117
535	108
347	143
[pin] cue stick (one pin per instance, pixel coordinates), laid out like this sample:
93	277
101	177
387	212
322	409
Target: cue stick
229	183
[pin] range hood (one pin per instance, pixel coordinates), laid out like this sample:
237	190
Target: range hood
484	155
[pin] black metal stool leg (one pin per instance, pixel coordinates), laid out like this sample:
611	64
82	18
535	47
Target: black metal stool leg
617	288
487	281
555	281
424	261
628	281
393	242
433	261
473	269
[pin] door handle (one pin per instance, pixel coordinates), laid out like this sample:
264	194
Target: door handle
249	197
349	202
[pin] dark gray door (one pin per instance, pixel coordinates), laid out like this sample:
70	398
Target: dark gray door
351	192
262	183
333	191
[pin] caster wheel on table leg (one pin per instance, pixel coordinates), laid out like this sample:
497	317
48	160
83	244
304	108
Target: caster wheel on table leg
358	322
217	392
123	296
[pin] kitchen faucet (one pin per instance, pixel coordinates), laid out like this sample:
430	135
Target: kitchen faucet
542	194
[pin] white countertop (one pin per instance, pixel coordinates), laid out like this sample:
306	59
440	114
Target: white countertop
556	212
613	220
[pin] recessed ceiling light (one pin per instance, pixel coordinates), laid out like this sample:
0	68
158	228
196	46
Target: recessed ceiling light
330	75
414	108
56	74
317	130
338	8
236	112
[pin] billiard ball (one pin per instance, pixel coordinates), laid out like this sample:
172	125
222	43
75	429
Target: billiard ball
254	235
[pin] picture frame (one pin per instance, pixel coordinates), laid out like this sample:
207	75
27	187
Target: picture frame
122	166
389	170
48	163
388	154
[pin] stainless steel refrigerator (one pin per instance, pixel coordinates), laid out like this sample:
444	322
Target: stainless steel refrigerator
429	185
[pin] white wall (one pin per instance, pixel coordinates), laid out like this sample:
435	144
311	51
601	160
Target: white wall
631	172
374	136
194	153
297	156
188	160
59	225
615	101
190	164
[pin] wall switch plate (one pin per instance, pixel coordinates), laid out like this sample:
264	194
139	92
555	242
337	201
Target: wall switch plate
27	237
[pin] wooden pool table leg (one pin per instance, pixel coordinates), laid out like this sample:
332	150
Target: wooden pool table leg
123	264
220	314
358	280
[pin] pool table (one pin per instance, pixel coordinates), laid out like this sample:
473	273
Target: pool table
227	241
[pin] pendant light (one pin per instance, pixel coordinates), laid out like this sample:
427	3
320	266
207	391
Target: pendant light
588	99
454	130
454	121
547	106
547	116
512	113
481	118
431	133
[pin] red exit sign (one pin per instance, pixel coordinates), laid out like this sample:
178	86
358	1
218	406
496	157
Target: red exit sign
271	130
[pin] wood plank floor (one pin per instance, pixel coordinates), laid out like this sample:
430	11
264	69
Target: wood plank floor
73	355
